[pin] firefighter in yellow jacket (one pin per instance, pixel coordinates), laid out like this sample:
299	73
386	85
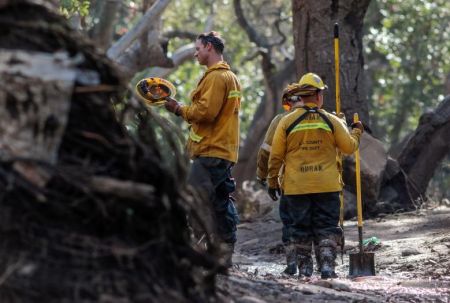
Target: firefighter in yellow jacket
306	142
264	151
213	142
262	162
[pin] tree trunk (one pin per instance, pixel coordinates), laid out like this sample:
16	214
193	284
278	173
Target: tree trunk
406	180
426	149
104	30
314	49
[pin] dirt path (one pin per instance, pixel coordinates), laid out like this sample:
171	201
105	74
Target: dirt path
412	263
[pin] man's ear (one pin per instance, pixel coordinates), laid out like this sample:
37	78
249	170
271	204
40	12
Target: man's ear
209	46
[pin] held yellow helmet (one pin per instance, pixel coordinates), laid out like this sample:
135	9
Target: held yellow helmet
153	91
310	83
289	95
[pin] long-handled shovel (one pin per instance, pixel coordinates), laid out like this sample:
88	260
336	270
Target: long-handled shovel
338	111
361	263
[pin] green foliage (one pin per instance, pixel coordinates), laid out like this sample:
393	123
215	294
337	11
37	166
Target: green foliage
70	7
408	58
407	50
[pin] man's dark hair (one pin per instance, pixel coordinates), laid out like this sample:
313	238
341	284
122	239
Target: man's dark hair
214	38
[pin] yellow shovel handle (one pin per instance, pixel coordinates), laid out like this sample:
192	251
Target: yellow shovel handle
358	180
338	110
336	64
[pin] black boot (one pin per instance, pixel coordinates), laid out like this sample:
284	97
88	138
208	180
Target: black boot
304	260
327	253
291	259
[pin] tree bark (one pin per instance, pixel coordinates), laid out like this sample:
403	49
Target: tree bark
314	49
36	104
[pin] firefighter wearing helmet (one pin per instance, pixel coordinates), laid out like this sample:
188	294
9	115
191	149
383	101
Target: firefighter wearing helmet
287	100
306	142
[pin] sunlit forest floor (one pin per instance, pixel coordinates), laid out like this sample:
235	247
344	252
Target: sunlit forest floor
412	263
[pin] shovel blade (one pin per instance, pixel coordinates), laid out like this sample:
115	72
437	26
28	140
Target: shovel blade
362	264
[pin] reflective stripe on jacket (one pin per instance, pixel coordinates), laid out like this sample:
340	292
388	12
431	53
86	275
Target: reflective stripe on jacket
264	151
309	153
214	114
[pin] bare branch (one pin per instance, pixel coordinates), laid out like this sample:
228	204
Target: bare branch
151	16
280	32
183	53
259	40
181	34
120	188
251	56
180	56
286	54
137	57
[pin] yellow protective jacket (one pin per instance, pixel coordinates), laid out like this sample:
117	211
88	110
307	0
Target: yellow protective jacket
309	153
264	151
214	114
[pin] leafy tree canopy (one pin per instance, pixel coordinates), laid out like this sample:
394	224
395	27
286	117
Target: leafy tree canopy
408	58
406	48
71	7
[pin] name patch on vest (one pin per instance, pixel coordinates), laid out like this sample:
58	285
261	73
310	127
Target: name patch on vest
310	168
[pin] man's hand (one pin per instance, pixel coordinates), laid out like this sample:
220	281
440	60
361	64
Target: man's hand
274	193
262	182
358	125
172	106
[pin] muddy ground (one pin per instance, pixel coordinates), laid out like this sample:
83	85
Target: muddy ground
412	263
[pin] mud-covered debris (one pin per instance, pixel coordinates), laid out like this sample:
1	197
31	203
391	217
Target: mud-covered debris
410	252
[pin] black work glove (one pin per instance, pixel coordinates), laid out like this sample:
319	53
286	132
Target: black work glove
261	182
172	106
358	125
274	193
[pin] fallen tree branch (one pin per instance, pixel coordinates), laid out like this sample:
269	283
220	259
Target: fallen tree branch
121	189
181	55
151	16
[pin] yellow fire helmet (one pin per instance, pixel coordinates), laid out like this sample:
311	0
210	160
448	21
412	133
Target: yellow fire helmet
154	90
310	83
